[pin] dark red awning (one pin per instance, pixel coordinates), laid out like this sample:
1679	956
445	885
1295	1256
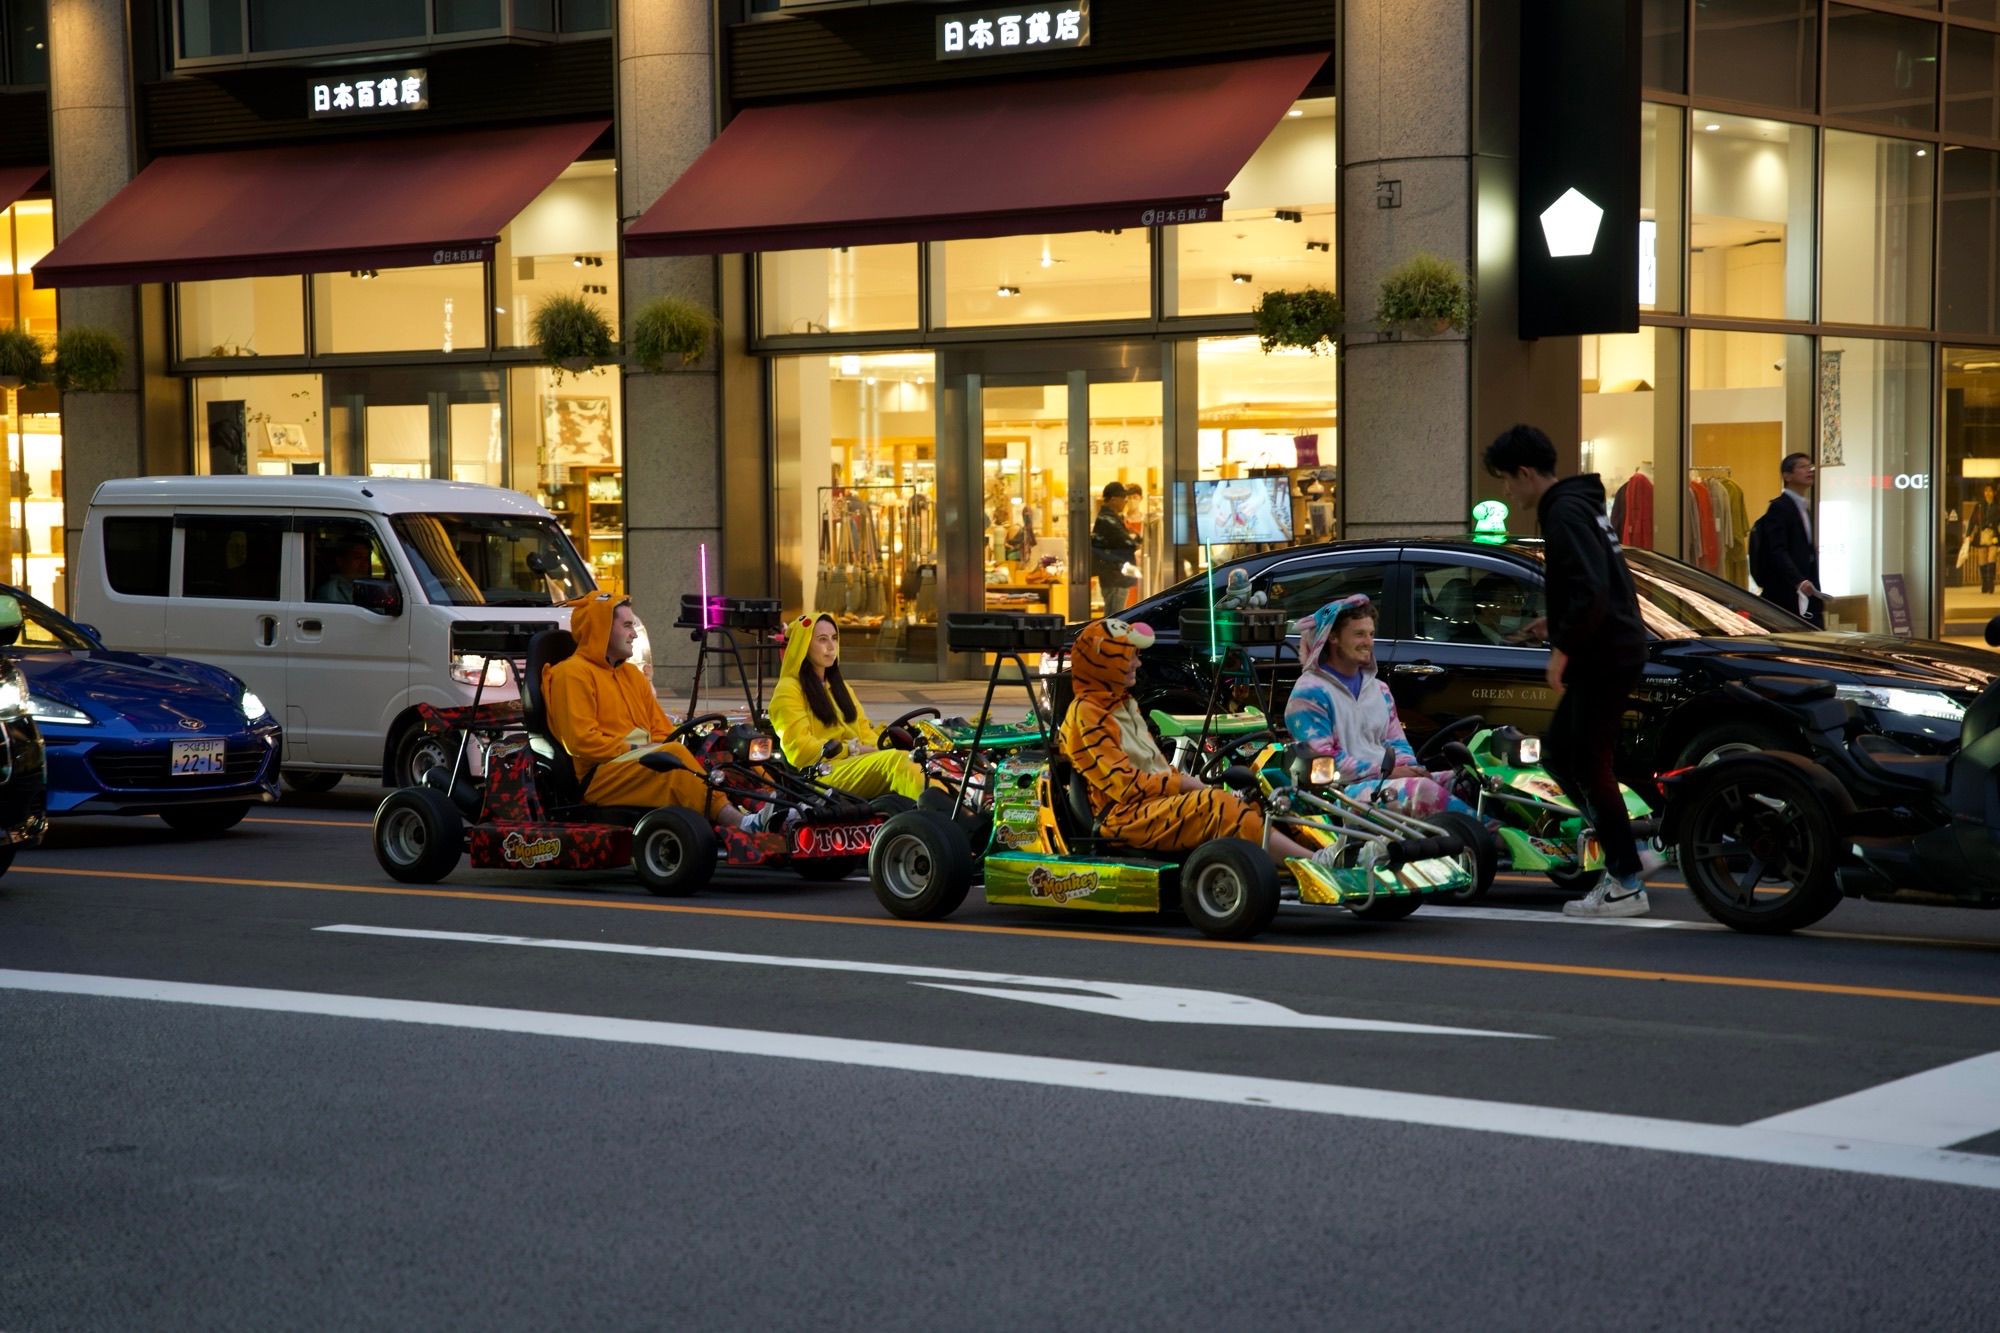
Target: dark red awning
400	201
1124	149
17	181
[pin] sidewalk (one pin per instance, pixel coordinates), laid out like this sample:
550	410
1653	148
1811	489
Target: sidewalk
883	700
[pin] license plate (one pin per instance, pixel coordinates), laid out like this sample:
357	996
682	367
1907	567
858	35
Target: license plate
194	758
837	840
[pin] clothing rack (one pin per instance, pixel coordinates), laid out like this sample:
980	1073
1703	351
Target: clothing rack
1723	468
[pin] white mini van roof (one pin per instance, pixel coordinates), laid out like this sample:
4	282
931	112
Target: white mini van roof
382	495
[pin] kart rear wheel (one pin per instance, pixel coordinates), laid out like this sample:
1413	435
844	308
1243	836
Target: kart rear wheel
1229	889
205	821
1749	825
826	870
1481	855
920	866
419	835
673	852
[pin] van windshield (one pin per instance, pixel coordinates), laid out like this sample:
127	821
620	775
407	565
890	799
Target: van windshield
492	559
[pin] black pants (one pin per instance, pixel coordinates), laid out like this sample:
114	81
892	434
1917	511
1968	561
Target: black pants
1579	750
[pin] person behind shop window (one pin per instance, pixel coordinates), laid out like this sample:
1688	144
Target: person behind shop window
351	561
1114	550
813	705
1982	537
1785	559
1598	651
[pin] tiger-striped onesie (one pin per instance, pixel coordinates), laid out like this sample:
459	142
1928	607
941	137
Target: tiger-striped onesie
1134	792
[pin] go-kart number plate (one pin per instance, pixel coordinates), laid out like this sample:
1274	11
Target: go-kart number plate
195	758
833	840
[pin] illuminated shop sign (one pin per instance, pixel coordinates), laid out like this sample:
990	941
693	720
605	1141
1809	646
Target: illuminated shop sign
368	94
1013	30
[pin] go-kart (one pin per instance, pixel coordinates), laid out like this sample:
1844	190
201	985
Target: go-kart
1497	770
1771	842
529	812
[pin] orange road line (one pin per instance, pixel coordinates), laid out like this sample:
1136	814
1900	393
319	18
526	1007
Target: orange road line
315	823
1042	932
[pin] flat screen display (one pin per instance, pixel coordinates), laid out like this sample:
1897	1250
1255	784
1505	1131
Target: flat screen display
1247	509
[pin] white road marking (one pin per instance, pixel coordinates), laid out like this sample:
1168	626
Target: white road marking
1115	999
1745	1144
1934	1109
1558	919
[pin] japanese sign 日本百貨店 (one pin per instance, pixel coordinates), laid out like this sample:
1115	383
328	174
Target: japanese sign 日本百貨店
1013	30
366	94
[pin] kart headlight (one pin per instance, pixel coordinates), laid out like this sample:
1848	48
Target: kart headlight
468	668
1527	752
1911	703
13	695
759	750
1325	771
48	710
253	707
1047	666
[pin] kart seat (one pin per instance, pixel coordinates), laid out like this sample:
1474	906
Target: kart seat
553	765
1894	763
1071	797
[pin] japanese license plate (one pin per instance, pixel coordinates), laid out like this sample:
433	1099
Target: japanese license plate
194	758
833	840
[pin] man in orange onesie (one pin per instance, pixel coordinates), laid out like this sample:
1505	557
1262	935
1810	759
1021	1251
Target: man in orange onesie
604	712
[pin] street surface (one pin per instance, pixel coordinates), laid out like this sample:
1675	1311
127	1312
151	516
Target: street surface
250	1082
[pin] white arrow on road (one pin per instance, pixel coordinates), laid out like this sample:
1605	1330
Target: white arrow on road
1112	999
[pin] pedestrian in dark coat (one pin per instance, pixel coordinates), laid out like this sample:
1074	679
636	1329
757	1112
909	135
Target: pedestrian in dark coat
1786	563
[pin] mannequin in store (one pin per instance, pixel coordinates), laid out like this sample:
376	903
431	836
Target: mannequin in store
813	704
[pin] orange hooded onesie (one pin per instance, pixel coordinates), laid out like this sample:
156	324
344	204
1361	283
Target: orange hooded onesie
595	709
1134	792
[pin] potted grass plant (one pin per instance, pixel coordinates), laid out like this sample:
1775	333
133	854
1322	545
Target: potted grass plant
669	329
573	334
88	360
1309	318
1424	296
20	359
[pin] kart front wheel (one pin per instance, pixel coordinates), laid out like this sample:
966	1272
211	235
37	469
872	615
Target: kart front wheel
1757	848
1229	889
920	866
673	852
419	835
1576	881
1481	855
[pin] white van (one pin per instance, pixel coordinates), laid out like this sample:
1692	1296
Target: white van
344	602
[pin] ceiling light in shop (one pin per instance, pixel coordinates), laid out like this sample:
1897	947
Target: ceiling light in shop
499	309
850	365
1004	290
1711	127
1324	247
1240	279
1923	152
1294	114
869	380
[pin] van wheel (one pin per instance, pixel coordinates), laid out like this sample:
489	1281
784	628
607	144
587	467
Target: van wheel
417	753
310	782
205	821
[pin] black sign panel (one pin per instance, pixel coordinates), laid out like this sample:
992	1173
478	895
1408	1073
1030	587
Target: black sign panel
1579	223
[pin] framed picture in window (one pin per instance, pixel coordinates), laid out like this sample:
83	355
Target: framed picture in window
287	440
576	431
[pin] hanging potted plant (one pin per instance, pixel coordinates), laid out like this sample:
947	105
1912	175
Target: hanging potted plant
669	328
1310	317
573	334
88	360
20	359
1425	295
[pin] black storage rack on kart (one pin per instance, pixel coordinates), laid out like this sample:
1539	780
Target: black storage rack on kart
1008	636
733	631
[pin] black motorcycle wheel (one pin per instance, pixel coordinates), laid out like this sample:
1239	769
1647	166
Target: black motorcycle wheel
1757	847
1480	844
1726	740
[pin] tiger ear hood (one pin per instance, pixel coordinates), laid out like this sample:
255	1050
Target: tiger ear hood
1103	652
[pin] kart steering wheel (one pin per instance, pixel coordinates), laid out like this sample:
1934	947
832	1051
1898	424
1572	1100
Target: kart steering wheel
1465	726
897	735
1225	758
679	735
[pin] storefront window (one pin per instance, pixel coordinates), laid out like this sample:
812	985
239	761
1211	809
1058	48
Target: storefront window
211	28
1127	446
1750	402
1874	457
1751	225
1971	89
586	15
1764	52
1632	431
1968	492
467	15
30	232
1661	129
25	43
1877	230
565	443
1663	45
855	512
285	25
260	425
31	419
1273	414
1881	67
851	289
1277	230
242	317
441	309
565	242
1988	10
1969	227
1087	275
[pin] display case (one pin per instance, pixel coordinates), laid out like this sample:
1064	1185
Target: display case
590	503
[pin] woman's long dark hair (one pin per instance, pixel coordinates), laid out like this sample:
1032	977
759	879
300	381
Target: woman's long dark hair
823	692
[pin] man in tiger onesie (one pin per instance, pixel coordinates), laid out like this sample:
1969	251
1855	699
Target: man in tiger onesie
1137	796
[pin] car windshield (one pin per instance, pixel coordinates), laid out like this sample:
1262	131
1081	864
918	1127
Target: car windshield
1679	602
492	559
47	631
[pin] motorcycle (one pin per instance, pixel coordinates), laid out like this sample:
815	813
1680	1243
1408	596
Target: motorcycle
1771	842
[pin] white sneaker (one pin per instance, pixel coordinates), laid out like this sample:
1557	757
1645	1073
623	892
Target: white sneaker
1608	899
1651	861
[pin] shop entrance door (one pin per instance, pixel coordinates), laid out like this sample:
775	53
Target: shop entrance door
1029	438
447	424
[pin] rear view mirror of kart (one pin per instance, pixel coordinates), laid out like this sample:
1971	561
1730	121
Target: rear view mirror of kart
662	762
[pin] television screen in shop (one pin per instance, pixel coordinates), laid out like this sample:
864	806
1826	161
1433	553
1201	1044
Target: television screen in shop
1245	509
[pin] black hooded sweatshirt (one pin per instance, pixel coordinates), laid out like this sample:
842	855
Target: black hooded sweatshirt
1593	612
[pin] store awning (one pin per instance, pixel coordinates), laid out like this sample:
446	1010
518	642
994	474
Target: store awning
399	201
1080	153
17	181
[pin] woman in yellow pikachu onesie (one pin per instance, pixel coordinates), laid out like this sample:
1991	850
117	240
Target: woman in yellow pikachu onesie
812	705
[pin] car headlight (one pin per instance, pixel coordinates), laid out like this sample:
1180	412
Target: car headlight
1911	703
13	695
467	668
253	707
1325	771
48	710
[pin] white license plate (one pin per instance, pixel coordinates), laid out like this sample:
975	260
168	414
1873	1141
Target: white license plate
192	758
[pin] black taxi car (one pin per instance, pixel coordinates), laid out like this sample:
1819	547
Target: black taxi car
1452	641
24	783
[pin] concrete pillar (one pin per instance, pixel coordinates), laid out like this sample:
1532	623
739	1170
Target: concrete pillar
91	151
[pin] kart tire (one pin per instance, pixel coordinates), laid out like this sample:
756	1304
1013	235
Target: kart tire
673	852
891	803
1727	837
311	782
827	870
1389	907
205	821
419	835
1479	843
1229	889
920	866
1712	744
1576	881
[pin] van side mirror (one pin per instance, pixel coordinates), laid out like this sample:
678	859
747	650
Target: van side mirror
381	596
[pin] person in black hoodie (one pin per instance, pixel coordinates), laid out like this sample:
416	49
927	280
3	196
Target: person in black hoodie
1597	653
1113	547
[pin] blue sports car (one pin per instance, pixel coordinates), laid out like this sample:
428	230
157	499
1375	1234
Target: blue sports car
134	734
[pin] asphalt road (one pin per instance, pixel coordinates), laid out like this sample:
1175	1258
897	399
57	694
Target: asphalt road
250	1082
